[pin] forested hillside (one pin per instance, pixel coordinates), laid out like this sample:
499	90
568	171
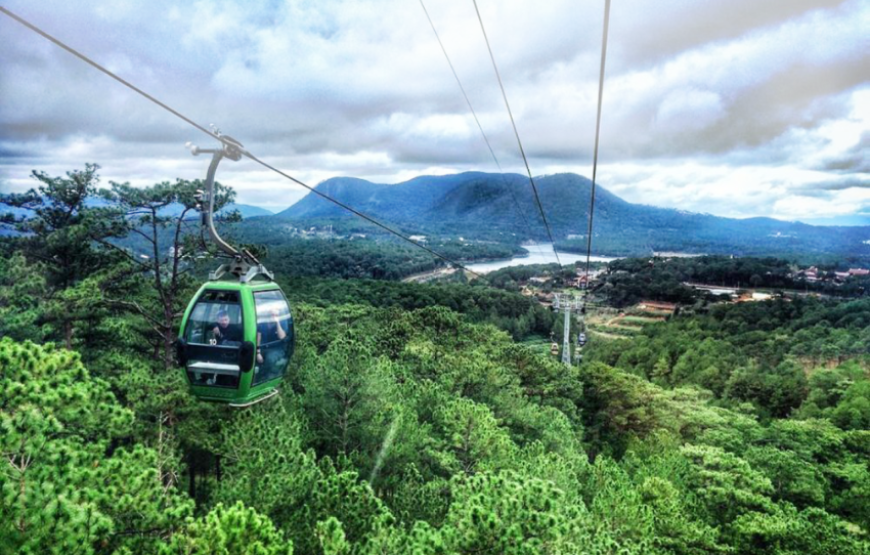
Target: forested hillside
502	207
665	279
411	420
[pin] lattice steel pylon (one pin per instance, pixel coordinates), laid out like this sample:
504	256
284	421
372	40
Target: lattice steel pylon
566	304
566	332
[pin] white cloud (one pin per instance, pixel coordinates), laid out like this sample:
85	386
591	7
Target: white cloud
688	110
728	106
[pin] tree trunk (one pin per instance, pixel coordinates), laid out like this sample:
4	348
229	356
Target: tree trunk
191	477
68	334
168	334
168	350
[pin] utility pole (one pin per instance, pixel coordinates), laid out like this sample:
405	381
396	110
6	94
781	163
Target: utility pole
566	339
566	303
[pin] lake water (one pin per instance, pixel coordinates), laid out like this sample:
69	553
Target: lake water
539	253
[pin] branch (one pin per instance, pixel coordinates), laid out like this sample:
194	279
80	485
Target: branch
175	246
157	278
143	234
156	324
122	251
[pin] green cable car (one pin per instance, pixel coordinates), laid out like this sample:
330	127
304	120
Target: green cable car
236	341
236	337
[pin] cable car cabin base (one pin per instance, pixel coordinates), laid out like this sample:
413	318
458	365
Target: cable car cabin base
269	395
235	342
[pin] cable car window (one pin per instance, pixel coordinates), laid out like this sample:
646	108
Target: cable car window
274	335
214	334
216	320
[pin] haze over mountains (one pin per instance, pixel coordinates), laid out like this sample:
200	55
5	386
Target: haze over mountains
493	206
246	210
502	207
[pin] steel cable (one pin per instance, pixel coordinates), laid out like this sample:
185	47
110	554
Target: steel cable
517	134
181	116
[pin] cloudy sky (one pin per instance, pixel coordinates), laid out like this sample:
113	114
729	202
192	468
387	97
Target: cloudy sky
733	107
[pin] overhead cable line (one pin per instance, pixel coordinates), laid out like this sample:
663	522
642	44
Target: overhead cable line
595	155
477	121
517	134
225	141
356	212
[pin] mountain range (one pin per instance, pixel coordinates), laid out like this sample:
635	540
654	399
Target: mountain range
503	207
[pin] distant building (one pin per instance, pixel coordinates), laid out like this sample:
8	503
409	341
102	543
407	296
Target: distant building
859	272
755	296
657	305
592	273
418	238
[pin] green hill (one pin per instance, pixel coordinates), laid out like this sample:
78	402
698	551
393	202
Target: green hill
502	207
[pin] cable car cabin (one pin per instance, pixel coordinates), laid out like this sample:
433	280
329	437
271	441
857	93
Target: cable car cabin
236	341
554	349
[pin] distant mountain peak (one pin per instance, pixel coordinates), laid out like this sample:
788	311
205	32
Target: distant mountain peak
502	207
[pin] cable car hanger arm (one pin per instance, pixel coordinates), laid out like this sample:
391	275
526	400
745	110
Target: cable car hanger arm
244	265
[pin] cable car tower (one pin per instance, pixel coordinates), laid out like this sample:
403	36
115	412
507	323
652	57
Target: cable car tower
566	303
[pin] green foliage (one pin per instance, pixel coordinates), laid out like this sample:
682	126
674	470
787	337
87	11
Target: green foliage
727	485
512	312
266	467
61	226
381	258
755	352
150	233
59	238
502	513
628	281
22	290
64	486
841	395
790	531
617	406
675	528
352	502
234	530
410	421
349	397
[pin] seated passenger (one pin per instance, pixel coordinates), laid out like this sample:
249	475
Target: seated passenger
226	333
269	331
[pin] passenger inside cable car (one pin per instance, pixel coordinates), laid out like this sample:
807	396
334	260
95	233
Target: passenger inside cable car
225	332
214	335
274	335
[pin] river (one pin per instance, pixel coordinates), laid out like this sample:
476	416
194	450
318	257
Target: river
539	253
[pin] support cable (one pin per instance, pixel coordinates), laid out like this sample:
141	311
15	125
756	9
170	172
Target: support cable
516	133
595	155
225	141
479	126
